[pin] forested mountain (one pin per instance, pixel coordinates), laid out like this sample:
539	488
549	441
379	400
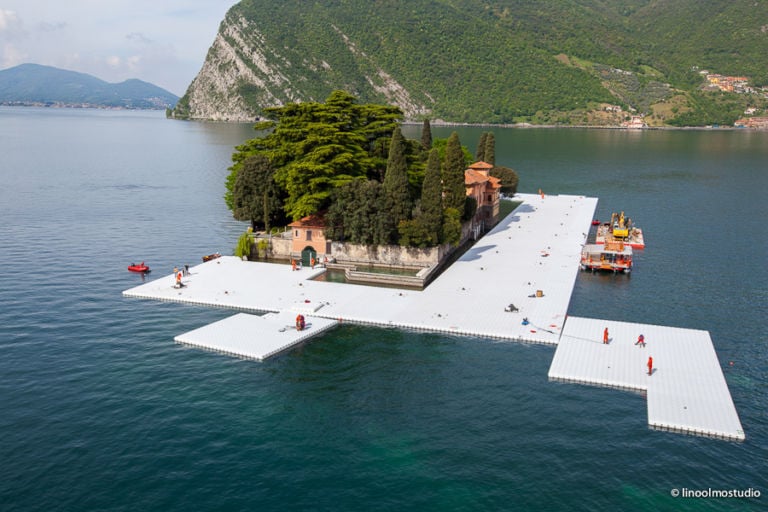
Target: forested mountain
486	61
31	84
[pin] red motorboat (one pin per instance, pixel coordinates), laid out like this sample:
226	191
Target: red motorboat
141	267
595	222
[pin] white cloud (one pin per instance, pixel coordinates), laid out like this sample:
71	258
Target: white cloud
138	37
160	42
11	56
8	19
134	62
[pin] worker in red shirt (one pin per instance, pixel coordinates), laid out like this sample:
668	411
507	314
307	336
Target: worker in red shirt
650	365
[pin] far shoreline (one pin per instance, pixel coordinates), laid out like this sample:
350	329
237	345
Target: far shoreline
438	124
443	124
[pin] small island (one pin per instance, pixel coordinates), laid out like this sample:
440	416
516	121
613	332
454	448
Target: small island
337	182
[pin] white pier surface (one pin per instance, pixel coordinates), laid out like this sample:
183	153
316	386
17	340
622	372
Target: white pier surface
687	391
537	247
252	336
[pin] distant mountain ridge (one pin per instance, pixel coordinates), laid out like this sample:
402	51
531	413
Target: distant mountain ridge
486	61
34	84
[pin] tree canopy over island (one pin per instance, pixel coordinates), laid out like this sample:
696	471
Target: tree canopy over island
350	163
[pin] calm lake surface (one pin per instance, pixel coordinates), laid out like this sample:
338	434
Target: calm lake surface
101	410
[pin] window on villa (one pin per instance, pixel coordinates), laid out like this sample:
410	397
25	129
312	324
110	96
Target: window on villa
490	198
309	234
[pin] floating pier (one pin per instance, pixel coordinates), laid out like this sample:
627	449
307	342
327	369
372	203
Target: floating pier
514	284
686	392
254	337
529	260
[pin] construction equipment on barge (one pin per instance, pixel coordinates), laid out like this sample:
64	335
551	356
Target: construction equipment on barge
620	228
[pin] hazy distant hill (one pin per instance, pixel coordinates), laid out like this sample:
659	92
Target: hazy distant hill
29	84
485	61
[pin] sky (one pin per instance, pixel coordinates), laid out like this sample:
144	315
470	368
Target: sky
163	42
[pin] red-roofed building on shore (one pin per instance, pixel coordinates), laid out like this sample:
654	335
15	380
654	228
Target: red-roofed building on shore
486	190
309	238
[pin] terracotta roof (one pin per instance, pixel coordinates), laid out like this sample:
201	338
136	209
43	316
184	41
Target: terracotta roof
311	221
472	177
481	166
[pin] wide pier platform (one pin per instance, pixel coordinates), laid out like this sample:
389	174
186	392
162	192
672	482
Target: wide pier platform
514	284
686	391
254	337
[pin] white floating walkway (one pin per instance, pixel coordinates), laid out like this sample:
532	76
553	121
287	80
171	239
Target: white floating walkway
536	248
254	337
687	391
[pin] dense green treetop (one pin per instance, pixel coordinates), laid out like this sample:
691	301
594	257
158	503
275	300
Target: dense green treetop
399	203
453	169
432	197
256	197
317	147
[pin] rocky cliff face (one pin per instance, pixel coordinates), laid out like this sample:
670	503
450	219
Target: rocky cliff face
243	74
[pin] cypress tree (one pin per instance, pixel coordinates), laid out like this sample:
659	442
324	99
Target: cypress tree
432	198
396	180
490	149
480	153
255	195
453	175
426	136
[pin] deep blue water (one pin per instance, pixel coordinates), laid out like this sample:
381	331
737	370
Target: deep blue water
101	410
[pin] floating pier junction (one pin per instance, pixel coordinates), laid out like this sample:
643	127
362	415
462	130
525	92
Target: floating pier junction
523	269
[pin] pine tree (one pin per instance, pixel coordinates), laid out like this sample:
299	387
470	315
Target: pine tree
396	180
318	147
453	175
480	153
432	198
426	136
490	149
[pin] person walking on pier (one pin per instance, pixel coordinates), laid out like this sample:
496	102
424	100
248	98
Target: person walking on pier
650	365
640	341
605	336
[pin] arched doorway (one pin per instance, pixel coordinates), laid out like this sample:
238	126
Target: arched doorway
307	254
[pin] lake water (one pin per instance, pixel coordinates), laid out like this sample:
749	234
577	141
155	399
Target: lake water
101	410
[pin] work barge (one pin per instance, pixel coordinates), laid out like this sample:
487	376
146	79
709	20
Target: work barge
513	284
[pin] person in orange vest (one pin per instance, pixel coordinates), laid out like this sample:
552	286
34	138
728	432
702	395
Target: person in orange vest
312	262
293	264
605	336
650	365
640	341
300	322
